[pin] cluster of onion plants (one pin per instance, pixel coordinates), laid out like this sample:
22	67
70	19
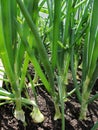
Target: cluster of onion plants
55	36
15	61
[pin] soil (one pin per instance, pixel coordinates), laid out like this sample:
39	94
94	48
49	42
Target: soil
72	108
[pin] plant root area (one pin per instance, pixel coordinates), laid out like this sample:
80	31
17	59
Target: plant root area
72	109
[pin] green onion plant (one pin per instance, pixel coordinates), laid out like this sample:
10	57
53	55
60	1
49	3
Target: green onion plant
8	51
14	59
90	65
64	40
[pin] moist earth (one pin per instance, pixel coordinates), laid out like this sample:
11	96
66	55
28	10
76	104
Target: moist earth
72	108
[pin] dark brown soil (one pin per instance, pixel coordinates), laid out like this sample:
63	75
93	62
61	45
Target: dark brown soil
72	108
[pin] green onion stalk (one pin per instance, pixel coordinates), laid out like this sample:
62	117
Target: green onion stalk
36	114
92	57
12	58
42	52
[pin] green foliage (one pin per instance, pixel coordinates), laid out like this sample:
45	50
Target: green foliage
61	41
